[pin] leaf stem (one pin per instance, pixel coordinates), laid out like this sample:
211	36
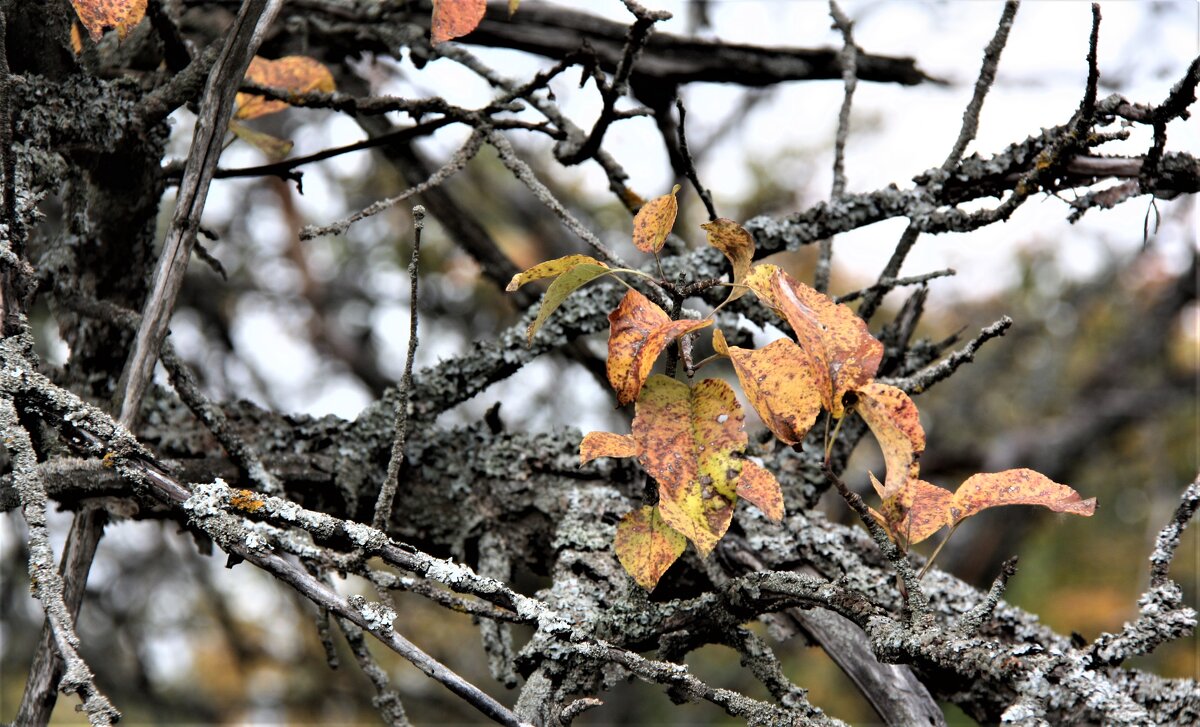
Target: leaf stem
933	556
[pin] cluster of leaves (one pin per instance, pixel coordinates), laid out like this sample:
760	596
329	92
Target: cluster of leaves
689	437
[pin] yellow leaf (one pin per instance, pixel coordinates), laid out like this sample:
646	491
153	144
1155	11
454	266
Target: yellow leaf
512	7
275	148
291	74
76	38
606	444
761	488
919	510
778	383
550	269
456	18
99	16
896	424
563	286
647	546
737	245
638	332
1016	487
686	437
842	353
654	221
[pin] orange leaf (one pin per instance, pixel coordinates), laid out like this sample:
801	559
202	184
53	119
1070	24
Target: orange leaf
456	18
894	420
919	510
1016	487
686	437
639	331
99	16
843	353
779	385
606	444
737	245
647	546
761	488
292	74
654	221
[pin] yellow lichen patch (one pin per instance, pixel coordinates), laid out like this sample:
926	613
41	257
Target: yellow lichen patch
246	500
109	460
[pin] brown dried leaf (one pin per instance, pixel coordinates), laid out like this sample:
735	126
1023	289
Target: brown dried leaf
778	383
737	245
647	546
98	16
606	444
893	418
1016	487
638	332
843	353
456	18
919	510
292	74
654	221
686	437
761	488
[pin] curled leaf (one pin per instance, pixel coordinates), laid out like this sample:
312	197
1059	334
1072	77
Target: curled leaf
456	18
293	74
778	383
1016	487
98	16
638	332
561	288
275	148
606	444
647	546
918	511
686	437
654	221
896	424
550	269
761	488
736	244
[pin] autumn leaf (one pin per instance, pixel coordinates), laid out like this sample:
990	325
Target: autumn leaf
606	444
647	546
512	7
1016	487
550	269
275	148
896	424
654	221
291	74
456	18
98	16
686	438
842	353
638	332
778	383
573	271
917	511
737	245
761	488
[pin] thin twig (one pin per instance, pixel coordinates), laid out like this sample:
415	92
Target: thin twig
45	580
931	375
689	163
242	42
848	59
456	162
891	284
383	505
